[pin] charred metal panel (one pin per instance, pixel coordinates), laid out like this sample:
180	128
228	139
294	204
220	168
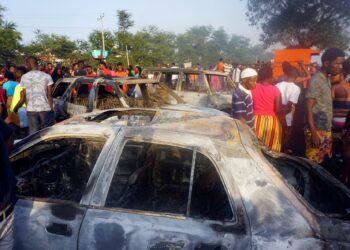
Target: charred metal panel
46	225
145	231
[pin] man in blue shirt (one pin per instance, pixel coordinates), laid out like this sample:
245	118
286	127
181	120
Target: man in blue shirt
7	188
242	102
9	87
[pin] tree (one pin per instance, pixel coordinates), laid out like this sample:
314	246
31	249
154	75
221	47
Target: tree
205	45
193	45
152	46
300	23
124	20
10	38
124	37
9	44
95	40
51	46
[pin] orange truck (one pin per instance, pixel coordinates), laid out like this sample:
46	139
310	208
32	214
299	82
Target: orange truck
293	56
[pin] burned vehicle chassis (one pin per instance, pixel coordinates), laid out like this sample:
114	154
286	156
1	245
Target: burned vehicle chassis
79	95
143	186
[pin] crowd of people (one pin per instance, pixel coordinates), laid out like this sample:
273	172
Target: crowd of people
300	115
26	91
311	107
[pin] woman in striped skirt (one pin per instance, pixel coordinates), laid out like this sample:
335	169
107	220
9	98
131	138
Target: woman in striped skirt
266	106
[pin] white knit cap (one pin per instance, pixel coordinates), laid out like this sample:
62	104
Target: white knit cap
248	72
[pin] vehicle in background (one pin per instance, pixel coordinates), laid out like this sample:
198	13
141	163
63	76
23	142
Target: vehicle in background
170	179
78	95
205	88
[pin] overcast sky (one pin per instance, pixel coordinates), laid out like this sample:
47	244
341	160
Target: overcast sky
77	18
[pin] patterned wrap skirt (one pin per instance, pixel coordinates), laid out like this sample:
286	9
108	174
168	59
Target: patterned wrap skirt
269	131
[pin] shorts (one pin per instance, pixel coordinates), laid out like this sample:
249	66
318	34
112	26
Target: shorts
319	154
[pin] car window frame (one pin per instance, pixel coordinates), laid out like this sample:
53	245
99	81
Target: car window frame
93	95
182	81
195	150
37	139
230	83
60	81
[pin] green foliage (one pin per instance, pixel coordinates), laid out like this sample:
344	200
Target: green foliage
300	23
9	44
10	39
95	40
193	45
152	46
50	44
124	20
205	45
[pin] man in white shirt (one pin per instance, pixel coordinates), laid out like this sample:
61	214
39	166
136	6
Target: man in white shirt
37	89
236	73
290	94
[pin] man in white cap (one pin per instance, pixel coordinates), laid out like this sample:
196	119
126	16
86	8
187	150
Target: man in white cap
242	102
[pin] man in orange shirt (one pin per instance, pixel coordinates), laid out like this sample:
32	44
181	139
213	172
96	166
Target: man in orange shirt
120	72
220	67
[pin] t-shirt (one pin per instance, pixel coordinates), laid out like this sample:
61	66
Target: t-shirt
122	74
16	97
319	89
236	75
264	99
290	93
9	86
242	105
36	82
107	72
220	67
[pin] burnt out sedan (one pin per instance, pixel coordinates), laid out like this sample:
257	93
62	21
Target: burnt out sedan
78	95
170	179
205	88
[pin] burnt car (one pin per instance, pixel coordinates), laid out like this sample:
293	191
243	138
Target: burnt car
78	95
170	179
205	88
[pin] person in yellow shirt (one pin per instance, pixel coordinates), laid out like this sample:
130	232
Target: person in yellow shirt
18	107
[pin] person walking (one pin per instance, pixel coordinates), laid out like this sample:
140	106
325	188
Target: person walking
37	91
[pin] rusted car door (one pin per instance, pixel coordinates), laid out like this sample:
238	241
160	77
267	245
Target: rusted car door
53	177
194	89
157	196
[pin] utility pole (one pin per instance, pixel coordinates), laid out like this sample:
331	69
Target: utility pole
127	54
102	33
